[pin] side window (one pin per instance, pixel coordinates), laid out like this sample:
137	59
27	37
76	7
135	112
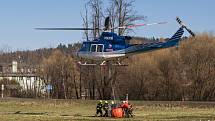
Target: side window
100	48
93	48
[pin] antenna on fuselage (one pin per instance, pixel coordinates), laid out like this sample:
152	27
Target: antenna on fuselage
107	23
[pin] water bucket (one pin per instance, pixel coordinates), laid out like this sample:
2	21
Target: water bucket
117	112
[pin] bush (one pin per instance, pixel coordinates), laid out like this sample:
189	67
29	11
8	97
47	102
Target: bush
11	87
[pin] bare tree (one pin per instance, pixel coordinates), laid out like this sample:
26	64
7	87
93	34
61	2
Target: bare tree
197	58
123	13
111	11
96	16
86	21
60	71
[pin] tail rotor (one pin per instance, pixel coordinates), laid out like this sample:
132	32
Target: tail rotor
184	26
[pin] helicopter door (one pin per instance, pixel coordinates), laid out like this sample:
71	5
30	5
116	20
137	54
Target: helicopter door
97	48
93	48
100	48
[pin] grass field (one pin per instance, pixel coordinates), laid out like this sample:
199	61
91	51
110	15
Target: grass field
69	110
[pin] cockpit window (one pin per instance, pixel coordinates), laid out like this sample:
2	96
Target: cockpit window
85	47
93	48
100	48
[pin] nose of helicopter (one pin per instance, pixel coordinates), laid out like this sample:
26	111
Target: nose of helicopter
76	54
79	54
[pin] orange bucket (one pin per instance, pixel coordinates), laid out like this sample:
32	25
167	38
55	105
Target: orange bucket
117	112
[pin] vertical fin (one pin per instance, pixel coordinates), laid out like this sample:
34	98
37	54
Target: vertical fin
177	35
174	40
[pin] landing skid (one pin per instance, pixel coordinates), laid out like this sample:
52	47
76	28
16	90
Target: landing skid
86	64
103	63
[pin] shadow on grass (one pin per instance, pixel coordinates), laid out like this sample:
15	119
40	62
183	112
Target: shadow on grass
30	113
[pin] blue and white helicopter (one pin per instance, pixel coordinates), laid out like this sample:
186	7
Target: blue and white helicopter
110	46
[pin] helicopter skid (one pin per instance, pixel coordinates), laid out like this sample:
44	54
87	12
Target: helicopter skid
100	56
103	63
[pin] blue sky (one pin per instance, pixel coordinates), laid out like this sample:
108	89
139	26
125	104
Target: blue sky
18	18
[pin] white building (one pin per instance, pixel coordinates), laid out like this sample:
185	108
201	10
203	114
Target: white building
25	75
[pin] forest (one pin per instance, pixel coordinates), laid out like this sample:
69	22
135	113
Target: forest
186	72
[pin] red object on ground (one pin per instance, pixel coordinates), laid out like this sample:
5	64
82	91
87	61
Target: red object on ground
117	112
124	105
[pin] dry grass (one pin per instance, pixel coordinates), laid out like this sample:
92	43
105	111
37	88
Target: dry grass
69	110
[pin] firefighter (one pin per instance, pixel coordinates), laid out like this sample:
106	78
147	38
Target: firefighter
99	108
106	108
130	110
124	106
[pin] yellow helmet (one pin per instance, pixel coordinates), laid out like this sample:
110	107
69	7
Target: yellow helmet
100	101
112	102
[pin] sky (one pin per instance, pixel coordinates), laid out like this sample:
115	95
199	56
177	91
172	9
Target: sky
18	18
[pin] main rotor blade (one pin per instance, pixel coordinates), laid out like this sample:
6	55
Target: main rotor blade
67	28
139	25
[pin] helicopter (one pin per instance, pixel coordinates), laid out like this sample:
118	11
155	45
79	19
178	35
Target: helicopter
110	46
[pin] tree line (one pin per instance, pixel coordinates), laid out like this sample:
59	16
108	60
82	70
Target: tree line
186	72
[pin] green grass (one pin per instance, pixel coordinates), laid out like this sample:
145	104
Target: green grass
69	110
